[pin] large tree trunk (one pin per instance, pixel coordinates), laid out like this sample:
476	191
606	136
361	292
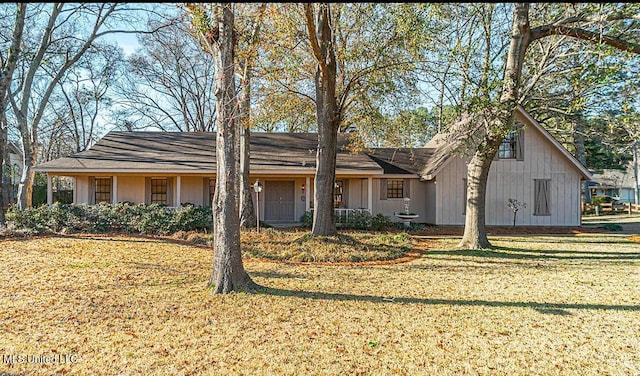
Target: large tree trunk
475	232
498	125
6	76
247	210
228	272
328	120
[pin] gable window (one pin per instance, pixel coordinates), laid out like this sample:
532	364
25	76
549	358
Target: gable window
541	198
338	194
159	191
507	148
103	190
512	147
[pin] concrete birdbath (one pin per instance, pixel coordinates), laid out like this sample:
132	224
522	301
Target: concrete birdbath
407	216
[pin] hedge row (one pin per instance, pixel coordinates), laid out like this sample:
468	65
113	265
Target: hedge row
120	218
147	219
356	221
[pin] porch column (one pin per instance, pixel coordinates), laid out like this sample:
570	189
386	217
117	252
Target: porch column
178	189
114	189
49	190
370	194
307	198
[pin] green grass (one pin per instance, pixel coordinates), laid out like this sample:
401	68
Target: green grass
536	305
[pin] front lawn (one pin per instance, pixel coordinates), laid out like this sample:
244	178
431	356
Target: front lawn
121	305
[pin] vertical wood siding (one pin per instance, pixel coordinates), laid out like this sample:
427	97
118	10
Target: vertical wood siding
514	179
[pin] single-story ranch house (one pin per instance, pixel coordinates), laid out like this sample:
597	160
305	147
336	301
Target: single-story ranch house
180	168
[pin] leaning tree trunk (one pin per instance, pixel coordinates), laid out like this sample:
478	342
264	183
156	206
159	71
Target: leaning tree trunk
228	272
247	210
6	76
327	114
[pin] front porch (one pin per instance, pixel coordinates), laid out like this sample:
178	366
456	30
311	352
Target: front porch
283	200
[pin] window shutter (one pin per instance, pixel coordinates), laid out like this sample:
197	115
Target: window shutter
406	188
464	196
205	192
520	143
92	190
147	191
383	189
345	193
170	190
542	197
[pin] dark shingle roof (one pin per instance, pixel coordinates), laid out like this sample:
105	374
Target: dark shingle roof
195	151
401	160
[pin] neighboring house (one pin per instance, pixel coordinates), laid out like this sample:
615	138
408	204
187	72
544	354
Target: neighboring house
615	183
179	168
12	170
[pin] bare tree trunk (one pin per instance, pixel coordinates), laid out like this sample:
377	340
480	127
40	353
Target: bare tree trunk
3	153
228	271
247	210
498	124
5	189
328	120
25	187
636	196
475	232
6	76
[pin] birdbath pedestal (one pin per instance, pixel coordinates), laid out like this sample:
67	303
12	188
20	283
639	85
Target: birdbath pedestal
407	216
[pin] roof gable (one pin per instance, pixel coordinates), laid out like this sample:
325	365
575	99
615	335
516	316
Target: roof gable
444	147
526	118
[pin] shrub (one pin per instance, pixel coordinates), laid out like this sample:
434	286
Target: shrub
307	219
381	222
597	200
355	221
358	221
121	217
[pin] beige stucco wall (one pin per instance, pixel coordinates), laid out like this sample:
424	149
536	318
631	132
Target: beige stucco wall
515	179
192	190
131	188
